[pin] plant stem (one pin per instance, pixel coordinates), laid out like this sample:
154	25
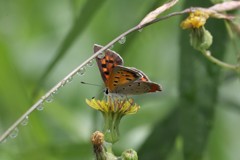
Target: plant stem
208	55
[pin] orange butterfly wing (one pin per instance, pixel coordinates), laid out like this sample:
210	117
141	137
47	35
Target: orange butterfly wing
151	86
107	63
144	76
123	80
121	76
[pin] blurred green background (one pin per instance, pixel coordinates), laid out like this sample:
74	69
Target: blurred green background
196	117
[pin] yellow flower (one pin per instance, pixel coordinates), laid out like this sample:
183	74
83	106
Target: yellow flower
196	19
113	110
124	106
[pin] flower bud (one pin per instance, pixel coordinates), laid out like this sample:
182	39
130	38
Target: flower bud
129	154
200	38
98	148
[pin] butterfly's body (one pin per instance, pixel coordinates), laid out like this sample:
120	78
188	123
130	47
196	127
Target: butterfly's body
121	80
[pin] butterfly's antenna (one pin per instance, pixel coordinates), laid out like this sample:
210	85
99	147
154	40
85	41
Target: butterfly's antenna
94	85
91	84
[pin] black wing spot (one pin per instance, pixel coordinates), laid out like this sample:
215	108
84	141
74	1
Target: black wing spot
107	73
129	79
135	76
104	65
116	81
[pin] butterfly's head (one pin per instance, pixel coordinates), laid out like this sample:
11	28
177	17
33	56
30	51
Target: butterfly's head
106	91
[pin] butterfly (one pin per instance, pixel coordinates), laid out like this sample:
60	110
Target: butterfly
122	80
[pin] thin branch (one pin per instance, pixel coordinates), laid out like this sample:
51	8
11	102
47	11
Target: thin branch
164	17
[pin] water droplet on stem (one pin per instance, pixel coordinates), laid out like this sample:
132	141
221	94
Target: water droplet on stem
101	55
90	63
25	121
63	83
49	99
55	92
40	107
69	80
111	47
122	40
14	133
81	71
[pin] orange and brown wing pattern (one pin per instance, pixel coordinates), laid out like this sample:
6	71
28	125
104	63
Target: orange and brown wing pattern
144	76
130	81
122	76
107	63
123	80
138	87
